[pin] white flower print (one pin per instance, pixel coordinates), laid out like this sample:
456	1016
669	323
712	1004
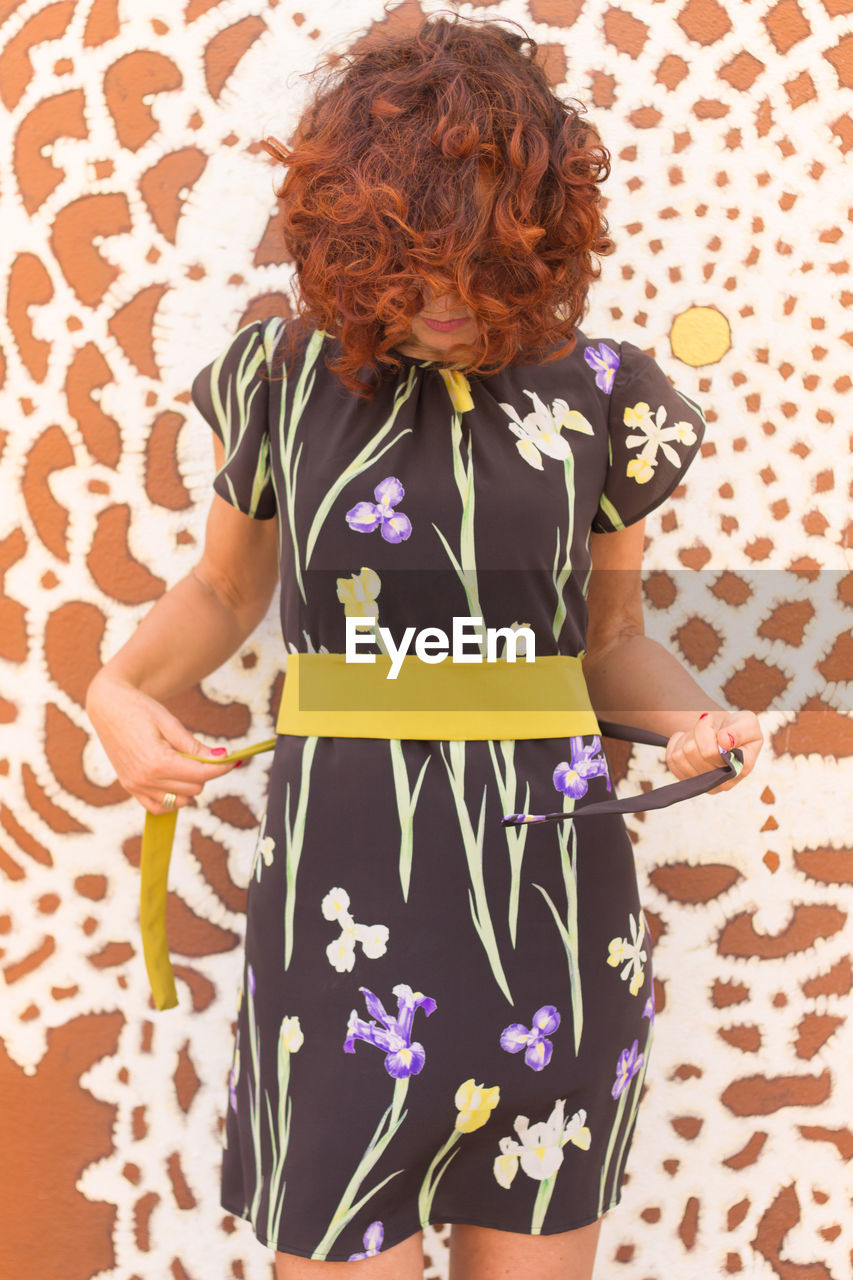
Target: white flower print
631	954
539	431
290	1036
654	436
540	1146
264	852
373	938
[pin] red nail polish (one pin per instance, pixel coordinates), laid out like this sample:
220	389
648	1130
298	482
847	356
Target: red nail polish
731	737
703	715
219	751
239	764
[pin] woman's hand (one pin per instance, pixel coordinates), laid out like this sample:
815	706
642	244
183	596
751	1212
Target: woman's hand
144	742
697	750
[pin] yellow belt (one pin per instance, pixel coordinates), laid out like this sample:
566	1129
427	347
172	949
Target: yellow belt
326	696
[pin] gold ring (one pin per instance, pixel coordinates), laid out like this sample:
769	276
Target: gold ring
170	800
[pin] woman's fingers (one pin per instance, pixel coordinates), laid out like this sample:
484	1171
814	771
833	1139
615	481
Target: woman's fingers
697	751
170	764
154	802
148	746
178	741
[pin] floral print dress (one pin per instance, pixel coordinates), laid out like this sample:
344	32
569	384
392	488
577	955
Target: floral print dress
441	1019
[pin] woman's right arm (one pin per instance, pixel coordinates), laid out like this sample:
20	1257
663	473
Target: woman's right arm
191	630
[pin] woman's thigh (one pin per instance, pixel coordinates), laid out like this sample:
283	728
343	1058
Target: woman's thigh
404	1261
480	1253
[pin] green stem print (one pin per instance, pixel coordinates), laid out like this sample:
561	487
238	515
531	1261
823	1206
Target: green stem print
474	1106
348	1207
473	844
633	1106
365	458
540	1204
463	474
294	835
561	576
289	1042
406	803
433	1176
234	426
287	441
255	1098
610	511
630	1065
568	930
515	836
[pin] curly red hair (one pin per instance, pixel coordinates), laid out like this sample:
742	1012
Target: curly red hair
442	157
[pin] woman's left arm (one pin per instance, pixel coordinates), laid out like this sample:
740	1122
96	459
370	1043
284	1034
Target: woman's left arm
636	681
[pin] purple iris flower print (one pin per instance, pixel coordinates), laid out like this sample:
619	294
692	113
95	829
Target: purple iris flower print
372	1241
649	1008
537	1049
403	1056
364	517
605	362
629	1064
586	763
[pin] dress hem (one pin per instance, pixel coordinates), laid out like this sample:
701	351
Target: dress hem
334	1256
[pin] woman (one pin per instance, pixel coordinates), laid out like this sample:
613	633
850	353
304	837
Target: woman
433	438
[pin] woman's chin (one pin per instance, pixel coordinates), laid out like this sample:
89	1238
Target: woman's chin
453	346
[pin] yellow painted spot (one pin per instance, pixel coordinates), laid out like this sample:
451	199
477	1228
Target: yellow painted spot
700	335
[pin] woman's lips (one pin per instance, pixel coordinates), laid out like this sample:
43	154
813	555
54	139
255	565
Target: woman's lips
445	326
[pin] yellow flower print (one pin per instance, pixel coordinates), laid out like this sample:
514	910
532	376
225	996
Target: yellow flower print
577	1132
683	432
630	954
505	1168
639	469
358	594
638	416
530	454
459	389
475	1103
570	418
637	978
654	436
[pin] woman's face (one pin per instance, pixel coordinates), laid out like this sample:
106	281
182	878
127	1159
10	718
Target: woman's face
433	342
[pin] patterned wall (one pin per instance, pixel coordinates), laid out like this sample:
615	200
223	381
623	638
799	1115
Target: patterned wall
137	236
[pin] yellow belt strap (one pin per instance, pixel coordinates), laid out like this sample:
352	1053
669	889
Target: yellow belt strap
157	839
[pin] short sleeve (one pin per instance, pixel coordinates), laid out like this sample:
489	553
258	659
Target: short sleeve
654	434
232	393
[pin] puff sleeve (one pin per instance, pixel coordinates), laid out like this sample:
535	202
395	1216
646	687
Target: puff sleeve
654	434
232	394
